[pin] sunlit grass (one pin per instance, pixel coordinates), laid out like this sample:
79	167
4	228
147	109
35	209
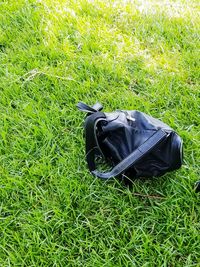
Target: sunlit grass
140	55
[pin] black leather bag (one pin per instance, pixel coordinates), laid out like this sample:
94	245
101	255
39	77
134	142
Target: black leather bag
134	143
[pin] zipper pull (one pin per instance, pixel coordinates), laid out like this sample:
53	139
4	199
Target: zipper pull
130	118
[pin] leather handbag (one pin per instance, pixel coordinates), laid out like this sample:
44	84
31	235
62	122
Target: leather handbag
132	142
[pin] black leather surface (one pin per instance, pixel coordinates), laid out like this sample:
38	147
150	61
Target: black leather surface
121	133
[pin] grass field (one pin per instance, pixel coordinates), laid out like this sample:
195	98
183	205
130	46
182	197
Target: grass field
140	55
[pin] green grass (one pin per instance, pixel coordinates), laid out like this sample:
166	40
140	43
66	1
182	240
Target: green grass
126	55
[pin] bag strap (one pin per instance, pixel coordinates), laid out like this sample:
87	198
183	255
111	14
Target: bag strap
134	157
93	149
91	144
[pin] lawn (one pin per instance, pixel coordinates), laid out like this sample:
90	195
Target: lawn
140	55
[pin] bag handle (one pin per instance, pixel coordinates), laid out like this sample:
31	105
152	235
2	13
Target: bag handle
93	149
90	110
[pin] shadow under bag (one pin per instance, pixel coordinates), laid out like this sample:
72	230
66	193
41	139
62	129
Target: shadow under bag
134	143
